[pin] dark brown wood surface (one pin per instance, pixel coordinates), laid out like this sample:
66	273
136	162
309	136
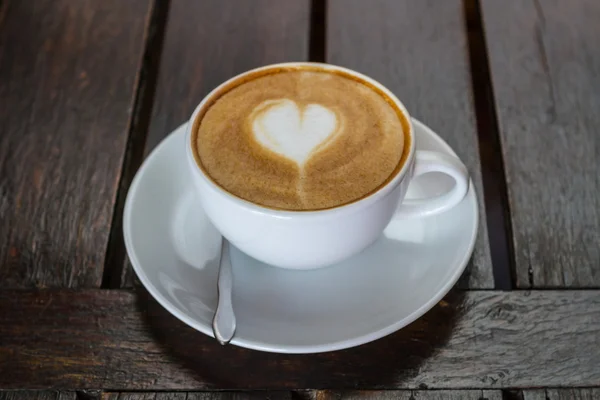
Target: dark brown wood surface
125	341
410	395
545	70
418	49
263	394
232	37
64	115
37	395
529	394
220	395
562	394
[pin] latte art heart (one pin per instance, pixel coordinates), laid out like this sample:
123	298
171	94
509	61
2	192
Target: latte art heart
290	131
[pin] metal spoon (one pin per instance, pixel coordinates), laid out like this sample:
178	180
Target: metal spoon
223	323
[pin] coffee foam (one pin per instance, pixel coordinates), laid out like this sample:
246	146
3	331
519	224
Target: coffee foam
301	139
282	127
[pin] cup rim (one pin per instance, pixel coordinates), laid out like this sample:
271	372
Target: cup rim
286	214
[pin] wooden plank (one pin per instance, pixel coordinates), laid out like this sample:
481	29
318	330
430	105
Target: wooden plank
455	395
573	394
145	396
208	42
491	395
537	394
124	340
419	50
259	394
410	395
68	75
562	394
362	394
36	395
545	72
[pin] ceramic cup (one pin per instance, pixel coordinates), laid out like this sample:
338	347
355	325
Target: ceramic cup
314	239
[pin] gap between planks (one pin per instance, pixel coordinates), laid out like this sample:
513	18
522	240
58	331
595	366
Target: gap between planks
317	50
497	209
115	260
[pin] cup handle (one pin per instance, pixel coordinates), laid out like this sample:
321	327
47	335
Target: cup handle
430	161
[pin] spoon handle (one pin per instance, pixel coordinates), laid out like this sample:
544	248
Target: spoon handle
223	323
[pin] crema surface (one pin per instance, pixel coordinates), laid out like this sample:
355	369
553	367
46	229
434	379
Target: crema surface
300	140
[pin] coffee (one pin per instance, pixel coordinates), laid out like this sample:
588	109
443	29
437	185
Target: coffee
300	139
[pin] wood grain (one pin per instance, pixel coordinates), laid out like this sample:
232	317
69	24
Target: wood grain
37	395
208	42
410	395
562	394
125	341
573	394
418	49
68	74
536	394
546	75
220	395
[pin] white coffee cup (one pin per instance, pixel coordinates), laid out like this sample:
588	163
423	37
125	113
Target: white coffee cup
314	239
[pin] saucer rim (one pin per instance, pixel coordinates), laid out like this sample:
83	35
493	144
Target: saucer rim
294	349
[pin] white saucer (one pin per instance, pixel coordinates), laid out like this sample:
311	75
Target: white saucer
174	249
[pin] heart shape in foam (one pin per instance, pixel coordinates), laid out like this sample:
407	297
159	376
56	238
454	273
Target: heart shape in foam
282	127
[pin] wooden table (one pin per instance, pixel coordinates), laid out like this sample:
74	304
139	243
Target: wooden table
88	88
